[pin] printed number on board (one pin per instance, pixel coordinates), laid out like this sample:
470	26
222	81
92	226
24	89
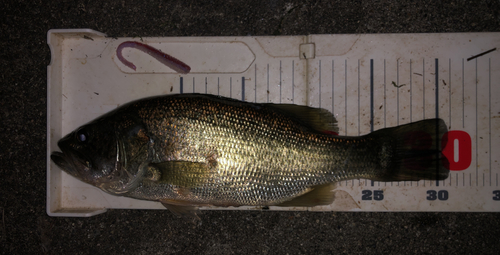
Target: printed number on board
372	195
440	195
496	195
458	150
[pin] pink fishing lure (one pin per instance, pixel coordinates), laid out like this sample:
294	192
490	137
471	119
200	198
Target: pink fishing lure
164	58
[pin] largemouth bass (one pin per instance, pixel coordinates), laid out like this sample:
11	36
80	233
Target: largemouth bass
192	150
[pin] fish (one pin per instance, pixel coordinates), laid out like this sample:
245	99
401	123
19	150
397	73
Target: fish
191	150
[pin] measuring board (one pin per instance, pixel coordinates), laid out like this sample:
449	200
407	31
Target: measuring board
367	81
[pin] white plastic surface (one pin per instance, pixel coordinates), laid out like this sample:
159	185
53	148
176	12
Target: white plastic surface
345	74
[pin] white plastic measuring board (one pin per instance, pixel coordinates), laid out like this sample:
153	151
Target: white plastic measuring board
367	81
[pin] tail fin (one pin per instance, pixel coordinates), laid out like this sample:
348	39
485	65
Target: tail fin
412	152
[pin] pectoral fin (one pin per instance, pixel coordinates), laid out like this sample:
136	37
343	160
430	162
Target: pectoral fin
182	173
319	195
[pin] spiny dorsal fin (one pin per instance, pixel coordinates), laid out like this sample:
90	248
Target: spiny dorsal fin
318	119
319	195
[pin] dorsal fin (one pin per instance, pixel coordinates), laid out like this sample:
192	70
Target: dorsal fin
318	119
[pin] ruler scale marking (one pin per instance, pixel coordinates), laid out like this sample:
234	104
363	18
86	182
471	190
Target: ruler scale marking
333	87
243	88
280	84
319	87
359	99
397	91
293	81
463	94
255	84
437	116
345	96
449	90
371	105
181	85
385	89
371	96
268	83
411	93
489	115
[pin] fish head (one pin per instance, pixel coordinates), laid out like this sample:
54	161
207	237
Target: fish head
91	154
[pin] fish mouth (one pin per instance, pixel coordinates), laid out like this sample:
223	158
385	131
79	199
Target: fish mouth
71	161
63	162
59	158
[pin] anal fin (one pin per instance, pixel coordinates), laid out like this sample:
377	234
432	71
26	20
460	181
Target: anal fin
319	195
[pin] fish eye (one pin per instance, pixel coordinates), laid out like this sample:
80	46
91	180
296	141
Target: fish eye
82	135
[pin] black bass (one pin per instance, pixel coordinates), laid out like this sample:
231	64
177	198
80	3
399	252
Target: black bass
193	150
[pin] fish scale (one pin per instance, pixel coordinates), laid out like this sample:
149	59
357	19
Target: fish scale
229	164
192	149
263	158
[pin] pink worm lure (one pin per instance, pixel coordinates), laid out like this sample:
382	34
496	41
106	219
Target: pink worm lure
164	58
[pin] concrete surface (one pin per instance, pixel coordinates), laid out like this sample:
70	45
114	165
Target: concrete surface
25	228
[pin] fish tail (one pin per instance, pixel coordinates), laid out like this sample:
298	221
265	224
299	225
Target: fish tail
412	152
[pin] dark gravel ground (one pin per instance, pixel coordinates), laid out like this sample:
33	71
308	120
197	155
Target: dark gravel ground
24	55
